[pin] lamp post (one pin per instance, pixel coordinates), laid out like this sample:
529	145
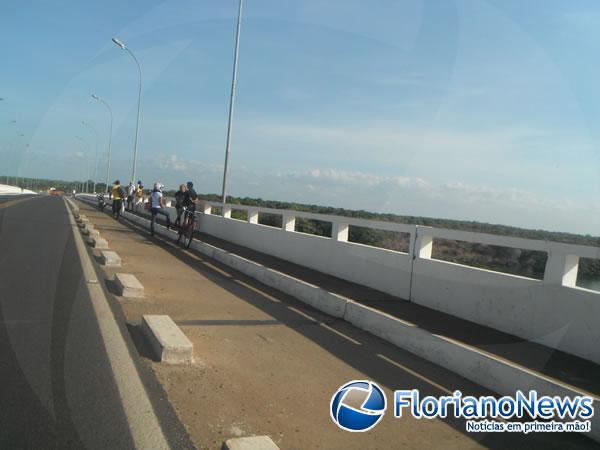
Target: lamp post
137	124
18	169
232	102
86	163
96	154
95	97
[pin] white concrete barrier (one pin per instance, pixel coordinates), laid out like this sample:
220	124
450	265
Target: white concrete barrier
110	259
128	285
250	443
99	243
379	268
168	342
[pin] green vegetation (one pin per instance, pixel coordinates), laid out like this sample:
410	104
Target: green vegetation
38	184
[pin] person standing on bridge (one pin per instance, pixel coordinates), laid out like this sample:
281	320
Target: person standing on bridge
130	194
179	196
190	197
139	195
157	206
118	193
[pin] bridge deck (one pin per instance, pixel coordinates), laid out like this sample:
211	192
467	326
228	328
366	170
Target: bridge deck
268	364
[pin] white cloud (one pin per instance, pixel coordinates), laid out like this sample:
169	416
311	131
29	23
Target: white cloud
457	199
174	163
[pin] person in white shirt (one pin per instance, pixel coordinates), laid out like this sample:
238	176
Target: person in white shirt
130	192
157	205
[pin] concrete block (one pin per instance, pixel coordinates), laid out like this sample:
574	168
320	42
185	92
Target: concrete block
128	285
110	259
91	237
87	229
250	443
168	342
100	243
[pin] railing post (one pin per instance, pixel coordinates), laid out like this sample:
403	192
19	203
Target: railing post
423	246
561	269
288	222
339	231
253	216
227	212
206	208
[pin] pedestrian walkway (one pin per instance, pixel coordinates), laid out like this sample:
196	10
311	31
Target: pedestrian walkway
268	364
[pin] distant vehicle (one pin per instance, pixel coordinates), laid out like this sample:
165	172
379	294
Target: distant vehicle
57	192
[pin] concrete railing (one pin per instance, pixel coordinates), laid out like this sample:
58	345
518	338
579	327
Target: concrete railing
382	269
553	311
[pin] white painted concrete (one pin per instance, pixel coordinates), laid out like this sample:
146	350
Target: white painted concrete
250	443
552	312
110	258
128	285
6	189
168	342
99	243
382	269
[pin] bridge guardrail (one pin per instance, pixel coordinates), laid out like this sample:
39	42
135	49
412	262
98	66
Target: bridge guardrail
553	311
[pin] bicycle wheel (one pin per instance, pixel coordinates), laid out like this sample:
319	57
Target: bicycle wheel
189	233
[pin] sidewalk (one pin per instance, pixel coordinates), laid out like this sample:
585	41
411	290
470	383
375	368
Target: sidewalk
268	364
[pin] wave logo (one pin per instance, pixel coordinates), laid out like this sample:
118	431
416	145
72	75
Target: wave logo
358	406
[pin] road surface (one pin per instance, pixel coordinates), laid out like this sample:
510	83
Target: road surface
56	385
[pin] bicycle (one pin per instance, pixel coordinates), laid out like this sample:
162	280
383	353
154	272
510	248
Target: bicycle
186	230
101	202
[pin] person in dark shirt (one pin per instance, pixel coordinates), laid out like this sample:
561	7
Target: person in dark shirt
190	198
179	196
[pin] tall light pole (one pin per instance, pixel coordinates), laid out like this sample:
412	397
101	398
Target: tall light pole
96	154
18	168
86	162
137	124
232	102
95	97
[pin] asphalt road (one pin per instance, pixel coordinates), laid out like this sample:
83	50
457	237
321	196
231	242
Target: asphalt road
56	386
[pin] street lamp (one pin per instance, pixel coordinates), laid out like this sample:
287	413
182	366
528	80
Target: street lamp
95	97
96	156
20	135
137	124
86	162
231	103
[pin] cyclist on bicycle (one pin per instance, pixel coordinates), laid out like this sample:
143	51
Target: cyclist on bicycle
188	206
190	198
179	196
158	204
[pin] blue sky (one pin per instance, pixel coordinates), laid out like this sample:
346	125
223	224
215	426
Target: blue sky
476	109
